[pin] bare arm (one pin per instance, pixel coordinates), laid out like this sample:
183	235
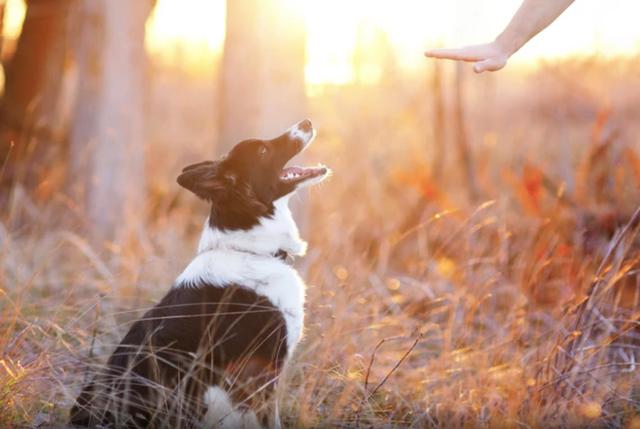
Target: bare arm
532	17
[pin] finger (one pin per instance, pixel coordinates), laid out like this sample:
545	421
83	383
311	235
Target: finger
469	53
490	64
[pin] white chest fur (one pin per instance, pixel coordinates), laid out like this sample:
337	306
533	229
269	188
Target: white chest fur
267	276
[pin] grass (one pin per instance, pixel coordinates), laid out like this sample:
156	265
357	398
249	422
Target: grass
425	309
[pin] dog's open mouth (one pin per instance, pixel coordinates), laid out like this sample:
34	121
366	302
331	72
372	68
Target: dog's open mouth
302	134
295	175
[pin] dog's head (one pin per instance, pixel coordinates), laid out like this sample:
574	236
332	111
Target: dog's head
244	184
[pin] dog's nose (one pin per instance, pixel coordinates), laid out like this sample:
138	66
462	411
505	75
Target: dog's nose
305	126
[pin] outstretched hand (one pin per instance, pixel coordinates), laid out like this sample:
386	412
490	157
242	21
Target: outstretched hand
487	57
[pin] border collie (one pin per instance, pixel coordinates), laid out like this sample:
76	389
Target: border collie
209	353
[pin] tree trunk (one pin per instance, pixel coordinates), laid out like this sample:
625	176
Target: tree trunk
107	136
439	143
262	73
28	111
461	138
3	8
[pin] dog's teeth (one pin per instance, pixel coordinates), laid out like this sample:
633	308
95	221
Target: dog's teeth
291	175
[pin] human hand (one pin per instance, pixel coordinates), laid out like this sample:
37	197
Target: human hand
487	57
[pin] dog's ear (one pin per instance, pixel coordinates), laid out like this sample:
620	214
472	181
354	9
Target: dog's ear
204	180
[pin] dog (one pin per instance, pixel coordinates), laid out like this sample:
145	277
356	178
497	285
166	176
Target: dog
209	354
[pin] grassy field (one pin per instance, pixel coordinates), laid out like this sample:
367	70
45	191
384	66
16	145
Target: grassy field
515	305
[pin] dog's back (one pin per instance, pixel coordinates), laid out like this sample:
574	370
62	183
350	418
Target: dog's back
195	338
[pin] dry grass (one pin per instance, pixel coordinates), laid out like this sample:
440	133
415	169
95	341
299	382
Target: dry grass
424	309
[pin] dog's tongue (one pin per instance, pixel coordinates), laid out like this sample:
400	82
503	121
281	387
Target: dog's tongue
296	173
288	171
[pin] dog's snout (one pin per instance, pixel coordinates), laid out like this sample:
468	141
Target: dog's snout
301	134
305	126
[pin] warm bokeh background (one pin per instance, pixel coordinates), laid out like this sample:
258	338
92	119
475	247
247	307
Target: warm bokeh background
473	260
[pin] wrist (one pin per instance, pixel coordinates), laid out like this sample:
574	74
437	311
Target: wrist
507	44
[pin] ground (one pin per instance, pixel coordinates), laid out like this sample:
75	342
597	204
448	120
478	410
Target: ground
428	305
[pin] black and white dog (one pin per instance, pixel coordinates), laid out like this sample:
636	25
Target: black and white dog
209	353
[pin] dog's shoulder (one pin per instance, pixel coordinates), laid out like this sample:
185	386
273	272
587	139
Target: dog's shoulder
268	277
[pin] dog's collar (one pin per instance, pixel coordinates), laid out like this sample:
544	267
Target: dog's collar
281	254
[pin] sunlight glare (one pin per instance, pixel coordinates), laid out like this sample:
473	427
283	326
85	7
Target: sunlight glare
189	32
15	11
357	41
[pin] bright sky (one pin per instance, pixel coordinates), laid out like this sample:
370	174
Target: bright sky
336	27
191	32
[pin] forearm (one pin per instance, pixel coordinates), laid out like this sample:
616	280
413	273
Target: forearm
532	17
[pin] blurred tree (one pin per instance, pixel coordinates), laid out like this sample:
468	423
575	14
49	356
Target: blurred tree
107	135
3	8
439	124
32	85
262	74
461	137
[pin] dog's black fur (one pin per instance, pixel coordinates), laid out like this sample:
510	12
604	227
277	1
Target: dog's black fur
227	327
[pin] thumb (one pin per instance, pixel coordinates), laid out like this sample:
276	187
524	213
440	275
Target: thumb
490	64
